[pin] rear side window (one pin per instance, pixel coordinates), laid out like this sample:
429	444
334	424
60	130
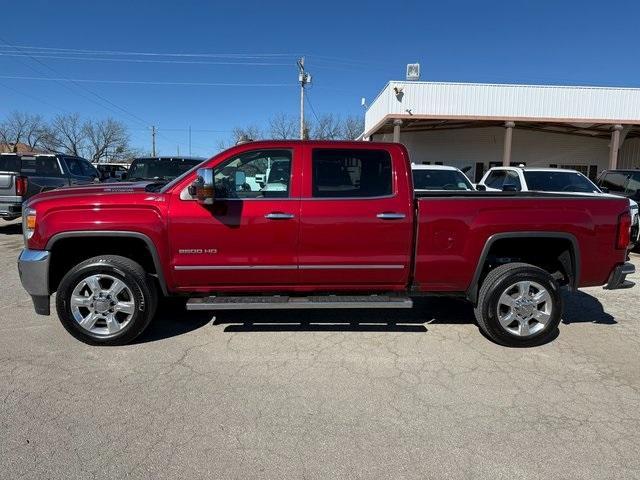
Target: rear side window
614	181
634	184
88	169
351	173
42	166
512	178
9	163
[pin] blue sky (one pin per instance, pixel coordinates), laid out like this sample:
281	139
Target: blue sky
352	49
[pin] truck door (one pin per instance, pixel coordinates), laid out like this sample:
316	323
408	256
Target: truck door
356	221
249	236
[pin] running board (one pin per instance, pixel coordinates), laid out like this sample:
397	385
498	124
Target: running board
286	303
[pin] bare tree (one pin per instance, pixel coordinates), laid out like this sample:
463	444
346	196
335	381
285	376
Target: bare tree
328	127
283	127
67	133
352	127
105	138
22	128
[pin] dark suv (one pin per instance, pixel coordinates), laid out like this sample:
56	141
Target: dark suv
22	176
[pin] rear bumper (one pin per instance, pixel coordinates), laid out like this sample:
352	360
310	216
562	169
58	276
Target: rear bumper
617	279
33	266
10	209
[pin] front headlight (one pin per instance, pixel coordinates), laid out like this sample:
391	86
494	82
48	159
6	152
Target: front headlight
28	223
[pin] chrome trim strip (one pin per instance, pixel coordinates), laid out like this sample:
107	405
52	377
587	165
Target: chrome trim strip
288	267
235	267
351	267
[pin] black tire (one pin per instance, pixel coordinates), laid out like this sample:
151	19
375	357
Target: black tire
495	283
134	277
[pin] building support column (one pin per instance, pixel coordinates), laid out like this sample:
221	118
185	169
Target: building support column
614	146
397	123
508	137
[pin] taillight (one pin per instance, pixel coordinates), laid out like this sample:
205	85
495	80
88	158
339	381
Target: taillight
624	231
21	186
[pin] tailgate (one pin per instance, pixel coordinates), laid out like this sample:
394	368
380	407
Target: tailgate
9	168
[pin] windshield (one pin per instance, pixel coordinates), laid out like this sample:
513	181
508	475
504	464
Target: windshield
440	180
160	168
559	182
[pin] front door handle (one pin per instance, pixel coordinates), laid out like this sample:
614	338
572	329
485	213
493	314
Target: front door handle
391	216
279	216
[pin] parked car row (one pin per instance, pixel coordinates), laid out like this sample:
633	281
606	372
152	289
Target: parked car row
23	176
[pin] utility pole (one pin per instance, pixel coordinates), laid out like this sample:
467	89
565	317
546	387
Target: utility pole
304	78
153	140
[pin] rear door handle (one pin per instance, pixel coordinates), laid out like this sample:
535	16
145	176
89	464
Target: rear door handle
279	216
391	216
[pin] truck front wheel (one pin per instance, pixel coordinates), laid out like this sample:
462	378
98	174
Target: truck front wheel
519	305
106	300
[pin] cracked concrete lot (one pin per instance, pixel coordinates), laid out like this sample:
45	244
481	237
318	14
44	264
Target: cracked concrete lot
376	395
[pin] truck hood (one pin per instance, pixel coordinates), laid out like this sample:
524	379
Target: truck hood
96	189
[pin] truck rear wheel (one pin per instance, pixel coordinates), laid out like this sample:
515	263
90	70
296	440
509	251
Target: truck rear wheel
106	300
519	305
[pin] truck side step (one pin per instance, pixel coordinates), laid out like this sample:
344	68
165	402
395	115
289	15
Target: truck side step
284	302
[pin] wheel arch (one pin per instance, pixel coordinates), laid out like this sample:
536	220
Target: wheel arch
570	263
115	234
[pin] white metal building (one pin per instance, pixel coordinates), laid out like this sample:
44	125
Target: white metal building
482	125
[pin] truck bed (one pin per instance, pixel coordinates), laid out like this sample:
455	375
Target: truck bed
456	231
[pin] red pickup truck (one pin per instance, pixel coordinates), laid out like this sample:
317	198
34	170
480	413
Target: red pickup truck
293	225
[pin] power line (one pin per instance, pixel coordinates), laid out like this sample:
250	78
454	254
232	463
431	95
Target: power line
160	54
132	115
147	82
138	60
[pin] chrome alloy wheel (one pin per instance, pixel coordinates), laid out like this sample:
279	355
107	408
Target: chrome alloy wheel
102	304
524	308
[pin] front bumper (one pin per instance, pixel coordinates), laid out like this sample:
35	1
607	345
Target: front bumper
33	266
617	279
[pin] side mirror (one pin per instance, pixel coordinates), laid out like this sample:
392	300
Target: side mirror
203	187
481	188
509	187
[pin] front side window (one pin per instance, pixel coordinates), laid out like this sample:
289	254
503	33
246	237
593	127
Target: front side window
512	178
351	173
74	166
496	179
614	182
88	170
254	174
634	184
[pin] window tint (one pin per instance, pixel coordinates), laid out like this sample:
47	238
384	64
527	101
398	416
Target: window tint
440	180
88	169
43	166
255	174
559	182
9	163
634	184
348	173
614	181
496	179
512	178
74	166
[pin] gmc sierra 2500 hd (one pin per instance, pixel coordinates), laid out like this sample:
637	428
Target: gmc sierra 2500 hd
311	224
